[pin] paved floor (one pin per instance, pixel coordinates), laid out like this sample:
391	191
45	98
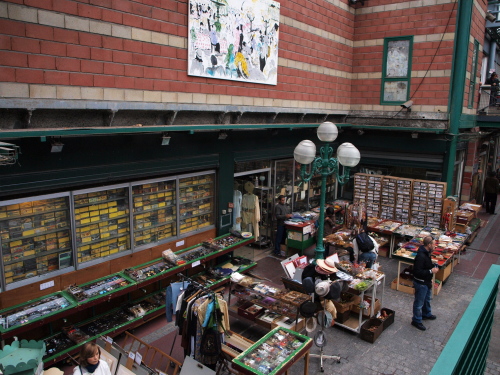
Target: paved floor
402	349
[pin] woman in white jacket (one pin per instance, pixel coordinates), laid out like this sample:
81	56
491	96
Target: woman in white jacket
90	361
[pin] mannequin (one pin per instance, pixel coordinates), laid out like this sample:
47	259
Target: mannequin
237	196
250	212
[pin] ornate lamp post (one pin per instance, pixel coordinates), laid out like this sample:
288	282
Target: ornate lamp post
305	154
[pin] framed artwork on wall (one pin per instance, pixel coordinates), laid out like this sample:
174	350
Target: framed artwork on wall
234	40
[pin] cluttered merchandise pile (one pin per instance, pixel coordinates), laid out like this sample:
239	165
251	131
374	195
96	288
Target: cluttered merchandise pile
344	294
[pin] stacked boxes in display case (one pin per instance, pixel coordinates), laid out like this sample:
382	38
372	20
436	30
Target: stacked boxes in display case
367	188
155	212
102	223
196	198
33	234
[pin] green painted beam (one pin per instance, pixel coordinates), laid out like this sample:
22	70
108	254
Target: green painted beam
68	132
467	348
456	93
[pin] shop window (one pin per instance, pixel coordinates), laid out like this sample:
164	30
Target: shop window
155	211
102	226
473	75
396	70
35	236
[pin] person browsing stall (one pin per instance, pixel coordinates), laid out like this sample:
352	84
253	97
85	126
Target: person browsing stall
281	212
90	361
423	273
365	248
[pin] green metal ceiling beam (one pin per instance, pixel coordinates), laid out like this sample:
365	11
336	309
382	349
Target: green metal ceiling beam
66	132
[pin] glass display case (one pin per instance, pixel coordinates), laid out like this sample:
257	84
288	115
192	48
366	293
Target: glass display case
35	310
100	287
196	202
274	353
102	225
35	236
155	212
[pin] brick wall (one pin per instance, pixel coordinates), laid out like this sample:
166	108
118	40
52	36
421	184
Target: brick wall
123	45
432	24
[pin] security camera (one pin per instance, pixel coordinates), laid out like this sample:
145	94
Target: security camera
407	104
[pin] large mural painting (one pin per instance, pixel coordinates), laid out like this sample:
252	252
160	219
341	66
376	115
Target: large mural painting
234	39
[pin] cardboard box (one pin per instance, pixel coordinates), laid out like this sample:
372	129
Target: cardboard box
367	312
349	299
250	311
460	228
444	273
437	287
403	287
383	251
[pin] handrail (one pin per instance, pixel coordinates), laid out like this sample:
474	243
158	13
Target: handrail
467	349
151	356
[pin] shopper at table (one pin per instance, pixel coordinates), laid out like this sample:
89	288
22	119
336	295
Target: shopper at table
90	361
281	212
423	273
491	190
367	256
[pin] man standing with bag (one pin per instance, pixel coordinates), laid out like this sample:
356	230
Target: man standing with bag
423	273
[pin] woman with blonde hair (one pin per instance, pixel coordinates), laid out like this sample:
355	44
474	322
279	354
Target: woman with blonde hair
90	361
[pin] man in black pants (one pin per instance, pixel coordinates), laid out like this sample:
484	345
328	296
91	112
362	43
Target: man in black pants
423	272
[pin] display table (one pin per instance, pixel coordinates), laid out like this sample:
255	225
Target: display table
274	353
300	235
387	227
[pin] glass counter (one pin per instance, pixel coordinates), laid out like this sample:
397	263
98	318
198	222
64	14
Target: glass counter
95	289
35	310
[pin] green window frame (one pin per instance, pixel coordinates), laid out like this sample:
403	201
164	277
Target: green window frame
473	75
396	70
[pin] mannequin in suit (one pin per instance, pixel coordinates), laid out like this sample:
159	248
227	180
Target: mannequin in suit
250	212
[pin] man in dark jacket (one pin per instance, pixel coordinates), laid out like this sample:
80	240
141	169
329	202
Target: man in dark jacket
423	273
491	190
281	213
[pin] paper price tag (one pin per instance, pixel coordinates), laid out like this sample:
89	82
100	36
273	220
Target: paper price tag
131	355
109	339
197	263
138	358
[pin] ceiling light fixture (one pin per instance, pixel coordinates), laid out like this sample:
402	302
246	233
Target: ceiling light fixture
165	139
56	145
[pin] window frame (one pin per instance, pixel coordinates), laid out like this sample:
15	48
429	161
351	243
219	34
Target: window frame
473	75
384	77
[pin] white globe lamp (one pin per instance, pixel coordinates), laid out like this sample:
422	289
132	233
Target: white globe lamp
305	152
327	132
348	155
